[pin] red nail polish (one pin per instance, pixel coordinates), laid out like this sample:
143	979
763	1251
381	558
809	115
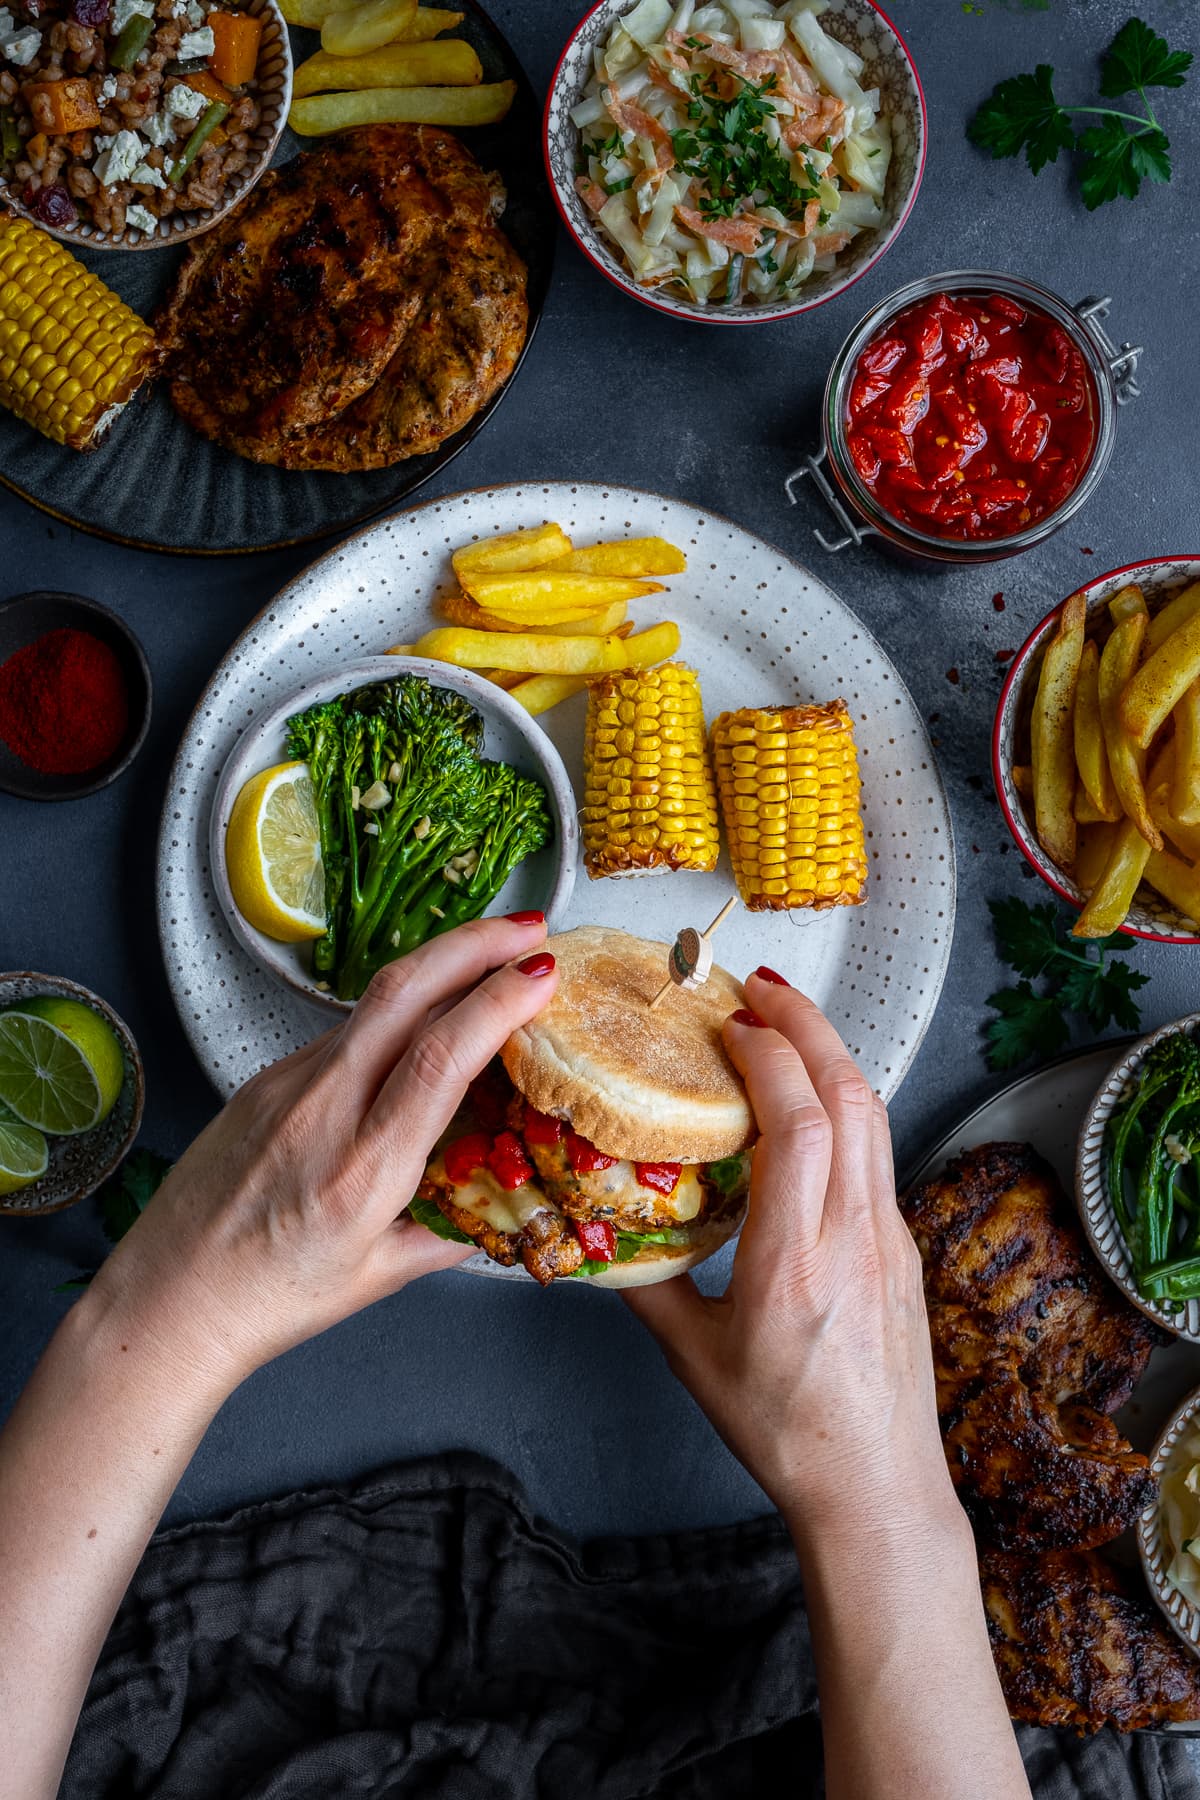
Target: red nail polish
541	963
776	980
527	918
743	1016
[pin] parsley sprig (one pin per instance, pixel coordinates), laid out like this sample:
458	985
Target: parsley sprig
724	147
1024	114
1033	942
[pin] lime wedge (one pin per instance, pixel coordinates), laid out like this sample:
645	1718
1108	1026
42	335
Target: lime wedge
92	1036
23	1153
45	1078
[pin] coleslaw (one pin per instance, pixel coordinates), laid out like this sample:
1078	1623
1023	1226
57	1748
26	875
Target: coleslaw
728	151
1179	1500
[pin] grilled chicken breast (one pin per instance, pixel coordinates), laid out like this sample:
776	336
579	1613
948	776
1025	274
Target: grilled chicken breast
1076	1645
1032	1349
359	307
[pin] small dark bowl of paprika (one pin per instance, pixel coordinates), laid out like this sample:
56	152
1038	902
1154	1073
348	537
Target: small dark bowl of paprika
75	695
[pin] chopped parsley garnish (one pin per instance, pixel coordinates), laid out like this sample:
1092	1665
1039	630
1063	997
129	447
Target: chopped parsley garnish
1032	942
727	151
618	187
1024	113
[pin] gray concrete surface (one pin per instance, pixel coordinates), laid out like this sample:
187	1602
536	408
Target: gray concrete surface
562	1386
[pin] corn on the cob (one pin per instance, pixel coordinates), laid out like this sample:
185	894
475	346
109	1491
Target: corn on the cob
71	352
649	798
788	782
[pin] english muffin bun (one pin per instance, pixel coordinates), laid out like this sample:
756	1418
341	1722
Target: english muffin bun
646	1086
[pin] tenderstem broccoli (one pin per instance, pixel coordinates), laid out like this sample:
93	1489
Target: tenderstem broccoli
1151	1138
418	830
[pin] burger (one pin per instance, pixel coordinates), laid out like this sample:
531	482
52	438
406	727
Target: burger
608	1141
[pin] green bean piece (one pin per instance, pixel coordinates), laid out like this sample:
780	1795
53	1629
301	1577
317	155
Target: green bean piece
207	123
135	35
10	137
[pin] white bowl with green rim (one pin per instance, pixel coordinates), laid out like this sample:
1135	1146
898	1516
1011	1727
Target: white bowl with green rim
78	1163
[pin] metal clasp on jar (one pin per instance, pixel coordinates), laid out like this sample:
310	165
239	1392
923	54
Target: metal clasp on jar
1122	359
852	532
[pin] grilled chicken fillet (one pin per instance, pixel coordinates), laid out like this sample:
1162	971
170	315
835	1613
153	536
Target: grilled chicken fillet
1032	1348
359	307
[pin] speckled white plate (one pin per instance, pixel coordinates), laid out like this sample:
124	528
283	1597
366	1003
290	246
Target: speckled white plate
759	629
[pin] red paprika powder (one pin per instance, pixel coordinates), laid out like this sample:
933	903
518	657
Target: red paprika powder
64	704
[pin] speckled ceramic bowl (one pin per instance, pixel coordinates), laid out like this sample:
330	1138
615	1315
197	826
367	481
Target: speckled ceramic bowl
273	91
1094	1200
1153	1546
544	881
78	1165
888	66
1160	579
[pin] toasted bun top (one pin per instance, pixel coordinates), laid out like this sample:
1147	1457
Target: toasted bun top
646	1086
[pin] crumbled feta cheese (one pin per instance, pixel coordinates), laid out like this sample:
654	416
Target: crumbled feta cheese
20	47
146	176
141	219
124	10
194	14
159	128
195	43
106	91
119	160
184	102
7	22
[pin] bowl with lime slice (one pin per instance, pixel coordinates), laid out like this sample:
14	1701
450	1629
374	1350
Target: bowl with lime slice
71	1092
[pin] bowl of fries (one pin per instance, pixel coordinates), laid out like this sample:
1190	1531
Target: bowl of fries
1096	751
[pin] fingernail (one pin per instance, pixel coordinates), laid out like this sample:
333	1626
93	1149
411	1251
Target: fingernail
527	918
540	964
765	974
743	1016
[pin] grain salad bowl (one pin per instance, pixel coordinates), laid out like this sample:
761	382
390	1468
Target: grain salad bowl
545	880
1160	579
859	25
271	88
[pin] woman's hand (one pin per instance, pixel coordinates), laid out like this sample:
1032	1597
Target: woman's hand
815	1365
285	1215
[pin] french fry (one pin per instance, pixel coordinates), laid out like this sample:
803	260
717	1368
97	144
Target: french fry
537	653
1086	812
1091	757
536	594
1176	612
365	26
425	23
1161	682
1022	776
1092	850
1053	738
505	678
1109	901
1128	604
538	693
634	556
1126	762
1185	838
447	64
1177	882
320	114
1185	790
461	610
513	551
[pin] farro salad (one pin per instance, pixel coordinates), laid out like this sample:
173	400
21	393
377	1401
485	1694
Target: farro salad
728	150
122	111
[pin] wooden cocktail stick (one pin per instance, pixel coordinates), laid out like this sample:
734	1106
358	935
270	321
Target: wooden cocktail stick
690	957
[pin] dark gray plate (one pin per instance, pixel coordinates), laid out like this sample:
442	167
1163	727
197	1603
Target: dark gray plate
155	484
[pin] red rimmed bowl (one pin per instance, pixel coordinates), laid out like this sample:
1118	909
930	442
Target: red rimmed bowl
860	25
1160	579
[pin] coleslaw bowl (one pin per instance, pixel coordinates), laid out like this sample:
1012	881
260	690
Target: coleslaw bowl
860	26
1154	1547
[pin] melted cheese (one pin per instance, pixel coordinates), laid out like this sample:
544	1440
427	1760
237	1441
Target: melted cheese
503	1210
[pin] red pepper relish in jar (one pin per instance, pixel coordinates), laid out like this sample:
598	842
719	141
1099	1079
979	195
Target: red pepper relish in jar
970	416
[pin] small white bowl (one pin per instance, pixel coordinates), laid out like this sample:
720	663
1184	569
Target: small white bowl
861	25
544	881
272	89
1159	579
1092	1196
1153	1547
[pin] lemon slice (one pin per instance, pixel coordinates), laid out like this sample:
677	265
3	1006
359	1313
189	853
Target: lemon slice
273	855
23	1153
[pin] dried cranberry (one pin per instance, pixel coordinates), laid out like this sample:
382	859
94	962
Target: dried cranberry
91	12
52	205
